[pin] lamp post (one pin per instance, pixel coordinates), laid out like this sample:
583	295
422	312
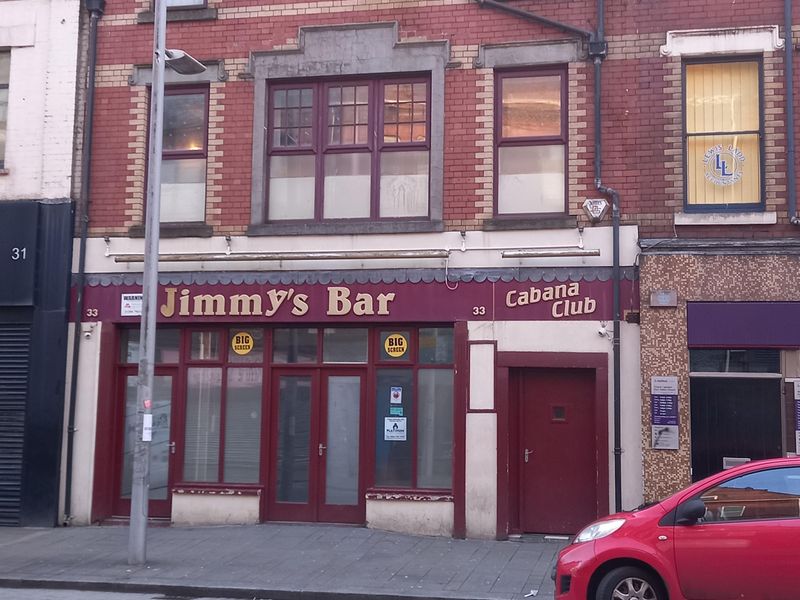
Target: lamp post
183	64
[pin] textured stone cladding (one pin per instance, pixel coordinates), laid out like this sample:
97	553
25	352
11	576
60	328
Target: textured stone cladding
641	102
664	336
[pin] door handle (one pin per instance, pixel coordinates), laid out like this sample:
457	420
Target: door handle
171	447
528	454
321	449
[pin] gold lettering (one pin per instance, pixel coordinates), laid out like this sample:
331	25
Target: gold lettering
168	309
244	304
338	302
363	305
276	299
207	305
300	302
575	307
383	303
184	303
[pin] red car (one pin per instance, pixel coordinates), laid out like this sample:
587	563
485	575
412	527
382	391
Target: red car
735	534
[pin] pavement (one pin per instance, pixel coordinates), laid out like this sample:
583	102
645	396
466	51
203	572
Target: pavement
280	562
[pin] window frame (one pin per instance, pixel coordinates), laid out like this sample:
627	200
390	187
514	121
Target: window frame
175	155
700	495
414	365
528	141
321	147
759	206
6	86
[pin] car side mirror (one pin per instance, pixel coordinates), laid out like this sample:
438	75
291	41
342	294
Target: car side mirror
690	512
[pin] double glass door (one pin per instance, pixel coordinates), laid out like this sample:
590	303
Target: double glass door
315	449
162	446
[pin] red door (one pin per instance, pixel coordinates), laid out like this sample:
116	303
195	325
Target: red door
162	446
557	455
317	435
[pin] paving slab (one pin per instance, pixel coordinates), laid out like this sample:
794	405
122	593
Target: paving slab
278	561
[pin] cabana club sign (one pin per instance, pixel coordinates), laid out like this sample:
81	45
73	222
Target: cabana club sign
413	302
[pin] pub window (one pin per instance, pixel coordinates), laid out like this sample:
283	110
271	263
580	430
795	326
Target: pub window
348	150
723	135
5	68
414	411
184	154
222	432
531	142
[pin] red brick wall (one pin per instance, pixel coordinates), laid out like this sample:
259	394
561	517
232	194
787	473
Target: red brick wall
638	122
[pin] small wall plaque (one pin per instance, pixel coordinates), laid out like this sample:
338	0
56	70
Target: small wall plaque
664	298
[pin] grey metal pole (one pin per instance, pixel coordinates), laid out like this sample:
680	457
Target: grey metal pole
140	492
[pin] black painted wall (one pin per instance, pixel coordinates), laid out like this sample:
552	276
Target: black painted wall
44	414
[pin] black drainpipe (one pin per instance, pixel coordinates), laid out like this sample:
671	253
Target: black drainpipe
791	184
95	8
598	49
598	55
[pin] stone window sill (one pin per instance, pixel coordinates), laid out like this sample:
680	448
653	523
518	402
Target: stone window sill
543	222
4	172
175	230
184	14
421	496
332	228
746	218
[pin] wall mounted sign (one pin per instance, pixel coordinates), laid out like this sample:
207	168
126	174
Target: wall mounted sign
19	226
664	412
130	305
418	302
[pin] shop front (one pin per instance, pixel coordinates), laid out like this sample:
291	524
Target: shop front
720	331
354	399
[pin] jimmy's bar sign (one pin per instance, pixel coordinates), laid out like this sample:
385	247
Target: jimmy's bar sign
365	302
341	302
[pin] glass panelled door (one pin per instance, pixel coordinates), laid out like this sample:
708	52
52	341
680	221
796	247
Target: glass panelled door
316	437
339	449
162	447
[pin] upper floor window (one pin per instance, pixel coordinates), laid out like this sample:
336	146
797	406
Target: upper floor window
531	142
723	135
348	150
185	149
186	3
5	64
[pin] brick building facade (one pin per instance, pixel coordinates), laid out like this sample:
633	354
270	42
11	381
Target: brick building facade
376	210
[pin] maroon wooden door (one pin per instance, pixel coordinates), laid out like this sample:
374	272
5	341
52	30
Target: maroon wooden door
162	445
317	436
557	451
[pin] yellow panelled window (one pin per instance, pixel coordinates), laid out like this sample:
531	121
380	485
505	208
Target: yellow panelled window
722	106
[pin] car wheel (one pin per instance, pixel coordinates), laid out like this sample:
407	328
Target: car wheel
630	583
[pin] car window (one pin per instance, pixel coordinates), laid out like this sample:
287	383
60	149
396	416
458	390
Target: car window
768	494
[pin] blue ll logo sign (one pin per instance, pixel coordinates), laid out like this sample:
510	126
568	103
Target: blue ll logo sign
723	166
